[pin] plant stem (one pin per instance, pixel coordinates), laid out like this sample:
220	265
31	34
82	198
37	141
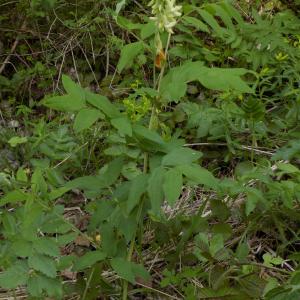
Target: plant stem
88	284
146	163
153	111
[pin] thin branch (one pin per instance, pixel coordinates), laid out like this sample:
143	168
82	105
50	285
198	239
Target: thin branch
13	48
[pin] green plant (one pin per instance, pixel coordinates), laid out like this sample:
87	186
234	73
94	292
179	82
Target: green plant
174	179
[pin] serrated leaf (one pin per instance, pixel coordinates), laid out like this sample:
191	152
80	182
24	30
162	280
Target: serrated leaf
22	248
181	156
86	118
65	103
155	189
123	125
14	276
128	53
129	270
38	285
172	185
44	264
46	246
89	259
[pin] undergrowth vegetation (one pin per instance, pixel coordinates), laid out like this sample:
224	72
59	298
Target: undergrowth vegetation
149	149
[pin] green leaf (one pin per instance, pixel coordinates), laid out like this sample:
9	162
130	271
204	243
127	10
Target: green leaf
88	260
119	6
181	156
137	189
38	183
287	168
123	125
46	246
172	185
199	175
39	284
22	248
101	102
14	276
72	88
216	244
13	197
210	20
21	175
65	103
254	196
128	53
155	189
149	140
129	270
17	140
56	193
148	30
199	25
221	79
220	210
86	118
43	264
108	175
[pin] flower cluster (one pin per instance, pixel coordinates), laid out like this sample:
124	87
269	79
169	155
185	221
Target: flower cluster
165	14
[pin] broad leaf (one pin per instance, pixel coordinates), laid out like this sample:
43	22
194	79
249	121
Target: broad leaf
137	189
181	156
149	140
13	197
65	103
174	83
128	53
129	270
46	246
172	185
86	118
89	259
72	88
43	264
123	125
103	104
221	79
16	275
37	285
155	189
199	175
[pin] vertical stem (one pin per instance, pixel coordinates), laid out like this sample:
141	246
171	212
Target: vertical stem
253	141
88	284
146	163
153	111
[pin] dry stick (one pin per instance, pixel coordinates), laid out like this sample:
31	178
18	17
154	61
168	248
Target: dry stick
87	60
13	48
75	67
157	291
249	148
